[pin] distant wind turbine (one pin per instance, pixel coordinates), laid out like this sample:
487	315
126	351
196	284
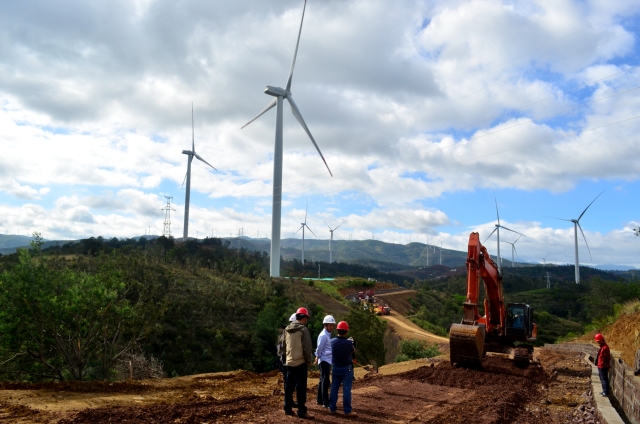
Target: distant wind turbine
191	153
576	225
331	241
302	226
497	229
280	95
513	250
544	260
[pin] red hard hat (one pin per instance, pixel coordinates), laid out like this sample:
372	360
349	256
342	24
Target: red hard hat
342	325
302	311
599	337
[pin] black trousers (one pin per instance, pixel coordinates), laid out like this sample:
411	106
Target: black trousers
603	373
325	384
283	370
296	380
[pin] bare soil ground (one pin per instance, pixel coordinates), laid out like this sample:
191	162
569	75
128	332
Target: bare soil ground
398	301
623	335
408	330
431	391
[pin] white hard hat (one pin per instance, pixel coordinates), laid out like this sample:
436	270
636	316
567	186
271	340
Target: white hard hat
328	320
292	318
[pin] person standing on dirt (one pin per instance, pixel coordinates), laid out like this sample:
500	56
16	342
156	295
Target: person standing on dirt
323	360
603	360
299	358
282	353
342	351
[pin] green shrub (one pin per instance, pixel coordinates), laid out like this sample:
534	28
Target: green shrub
415	349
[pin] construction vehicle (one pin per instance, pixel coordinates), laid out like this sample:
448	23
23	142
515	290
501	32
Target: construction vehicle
382	310
504	329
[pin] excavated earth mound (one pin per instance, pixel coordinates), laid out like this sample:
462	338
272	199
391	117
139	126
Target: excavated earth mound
556	391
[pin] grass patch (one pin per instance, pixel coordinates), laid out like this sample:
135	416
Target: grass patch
415	349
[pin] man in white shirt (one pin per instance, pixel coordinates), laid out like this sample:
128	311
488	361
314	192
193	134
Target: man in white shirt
323	359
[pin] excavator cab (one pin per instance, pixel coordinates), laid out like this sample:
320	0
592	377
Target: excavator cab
520	326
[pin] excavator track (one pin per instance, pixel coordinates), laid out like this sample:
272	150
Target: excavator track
466	344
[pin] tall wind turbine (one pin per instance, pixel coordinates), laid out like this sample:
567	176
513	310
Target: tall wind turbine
497	229
280	95
513	249
302	226
576	225
331	241
191	153
544	260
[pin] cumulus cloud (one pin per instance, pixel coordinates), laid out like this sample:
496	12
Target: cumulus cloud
409	102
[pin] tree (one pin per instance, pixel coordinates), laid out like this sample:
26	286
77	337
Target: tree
368	332
71	322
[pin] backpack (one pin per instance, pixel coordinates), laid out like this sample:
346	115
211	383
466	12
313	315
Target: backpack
281	347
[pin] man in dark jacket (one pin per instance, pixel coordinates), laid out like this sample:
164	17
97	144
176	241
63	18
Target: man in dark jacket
603	360
342	351
298	358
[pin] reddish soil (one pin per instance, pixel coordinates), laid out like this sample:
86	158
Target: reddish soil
556	391
623	335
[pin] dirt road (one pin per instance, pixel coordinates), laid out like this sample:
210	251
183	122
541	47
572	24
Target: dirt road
555	392
408	330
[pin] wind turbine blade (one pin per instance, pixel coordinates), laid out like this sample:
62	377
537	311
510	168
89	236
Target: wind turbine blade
338	226
295	54
590	205
515	250
305	213
310	230
271	104
559	219
517	240
509	229
183	181
494	230
296	113
497	213
199	158
299	229
585	239
325	223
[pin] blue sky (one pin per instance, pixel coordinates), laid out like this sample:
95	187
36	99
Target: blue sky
425	111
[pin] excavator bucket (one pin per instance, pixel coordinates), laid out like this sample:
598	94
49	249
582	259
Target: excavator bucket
466	344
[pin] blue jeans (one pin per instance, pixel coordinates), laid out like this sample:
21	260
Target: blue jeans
603	373
341	375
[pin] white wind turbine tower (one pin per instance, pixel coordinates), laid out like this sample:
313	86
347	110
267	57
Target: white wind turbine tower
331	240
191	153
576	225
497	229
280	95
513	250
302	225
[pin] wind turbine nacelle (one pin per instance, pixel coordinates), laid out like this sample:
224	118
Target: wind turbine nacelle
187	152
275	91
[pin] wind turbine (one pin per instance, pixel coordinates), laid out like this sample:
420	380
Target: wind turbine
280	94
331	240
513	249
576	225
191	153
497	229
302	225
544	260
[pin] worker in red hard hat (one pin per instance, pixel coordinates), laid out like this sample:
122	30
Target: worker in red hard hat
603	360
299	356
342	351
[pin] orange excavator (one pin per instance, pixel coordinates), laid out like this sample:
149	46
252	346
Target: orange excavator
503	328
